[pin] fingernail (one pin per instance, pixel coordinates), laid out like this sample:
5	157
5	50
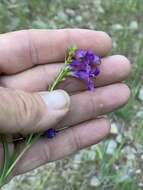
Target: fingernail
57	99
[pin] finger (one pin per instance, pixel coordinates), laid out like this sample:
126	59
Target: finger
27	48
113	69
22	112
67	142
88	105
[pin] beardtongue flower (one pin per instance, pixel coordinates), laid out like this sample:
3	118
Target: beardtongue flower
80	64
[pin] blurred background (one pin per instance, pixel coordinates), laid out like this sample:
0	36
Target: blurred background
117	162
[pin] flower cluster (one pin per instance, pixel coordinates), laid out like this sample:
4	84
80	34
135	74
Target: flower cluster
81	64
85	66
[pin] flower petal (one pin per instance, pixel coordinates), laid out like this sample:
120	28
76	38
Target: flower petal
79	54
85	66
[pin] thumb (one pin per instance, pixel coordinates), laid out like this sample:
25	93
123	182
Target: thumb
23	112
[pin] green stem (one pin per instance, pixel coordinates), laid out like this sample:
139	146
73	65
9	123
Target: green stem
29	139
5	158
57	80
16	161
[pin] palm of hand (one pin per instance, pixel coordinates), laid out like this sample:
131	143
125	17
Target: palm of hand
30	60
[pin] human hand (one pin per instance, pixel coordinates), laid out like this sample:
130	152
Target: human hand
29	61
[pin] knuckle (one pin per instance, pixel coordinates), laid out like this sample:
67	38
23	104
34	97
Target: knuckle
108	125
46	152
68	36
28	112
75	140
32	48
93	107
97	104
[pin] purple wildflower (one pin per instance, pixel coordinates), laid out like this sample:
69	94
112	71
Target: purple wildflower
81	64
79	54
84	66
51	133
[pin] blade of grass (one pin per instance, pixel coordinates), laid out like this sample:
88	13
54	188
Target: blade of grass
5	158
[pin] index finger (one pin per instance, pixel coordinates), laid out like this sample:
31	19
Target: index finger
24	49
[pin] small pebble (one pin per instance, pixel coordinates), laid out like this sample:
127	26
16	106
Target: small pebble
139	114
117	27
138	171
140	95
95	182
133	25
112	145
119	139
114	129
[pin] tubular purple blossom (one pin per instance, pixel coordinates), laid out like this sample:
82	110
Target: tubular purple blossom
85	66
81	64
51	133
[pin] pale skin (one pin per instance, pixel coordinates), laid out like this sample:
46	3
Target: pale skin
29	62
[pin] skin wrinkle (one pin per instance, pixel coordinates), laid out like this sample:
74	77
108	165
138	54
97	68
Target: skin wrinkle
5	102
33	52
44	71
20	112
23	109
51	50
68	39
52	46
28	106
21	51
27	49
92	103
76	141
7	58
46	152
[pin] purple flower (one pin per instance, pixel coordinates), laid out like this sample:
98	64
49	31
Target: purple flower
81	64
85	66
79	54
51	133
